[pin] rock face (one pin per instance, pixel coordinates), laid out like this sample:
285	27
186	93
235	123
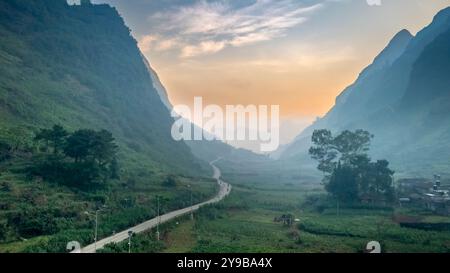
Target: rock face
403	99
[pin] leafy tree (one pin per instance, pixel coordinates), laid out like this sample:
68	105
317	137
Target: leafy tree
79	144
115	169
323	150
88	158
170	181
91	145
103	148
345	147
17	138
343	184
349	172
54	137
377	181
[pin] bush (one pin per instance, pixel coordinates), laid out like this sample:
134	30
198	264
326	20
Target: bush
5	151
58	242
139	243
3	231
170	182
33	222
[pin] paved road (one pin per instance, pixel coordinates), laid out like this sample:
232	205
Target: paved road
224	190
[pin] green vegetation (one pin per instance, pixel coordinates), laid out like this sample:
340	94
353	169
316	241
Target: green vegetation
350	176
248	219
51	184
244	222
79	67
83	159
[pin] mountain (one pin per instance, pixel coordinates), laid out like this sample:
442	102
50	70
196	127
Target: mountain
204	149
78	66
402	98
160	89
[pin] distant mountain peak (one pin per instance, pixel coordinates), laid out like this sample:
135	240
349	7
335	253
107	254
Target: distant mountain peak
394	49
442	14
403	33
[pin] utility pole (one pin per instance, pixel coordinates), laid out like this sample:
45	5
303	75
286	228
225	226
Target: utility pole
96	224
130	234
96	231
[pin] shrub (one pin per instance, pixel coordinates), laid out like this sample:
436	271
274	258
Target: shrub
170	182
33	222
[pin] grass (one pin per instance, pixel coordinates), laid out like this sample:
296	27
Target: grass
244	222
182	239
21	246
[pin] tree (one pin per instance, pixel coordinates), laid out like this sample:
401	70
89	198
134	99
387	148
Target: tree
349	172
170	181
377	181
343	184
94	154
54	137
79	144
103	147
323	151
88	158
344	148
115	169
91	145
18	138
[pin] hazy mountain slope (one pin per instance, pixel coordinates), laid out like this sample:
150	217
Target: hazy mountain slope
404	103
204	149
79	66
352	102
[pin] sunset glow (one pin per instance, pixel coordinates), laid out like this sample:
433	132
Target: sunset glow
298	54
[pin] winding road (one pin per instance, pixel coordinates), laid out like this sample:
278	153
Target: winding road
224	190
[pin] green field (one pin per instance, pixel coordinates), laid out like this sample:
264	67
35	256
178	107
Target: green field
244	222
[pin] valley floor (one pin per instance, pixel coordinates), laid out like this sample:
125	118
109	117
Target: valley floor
244	222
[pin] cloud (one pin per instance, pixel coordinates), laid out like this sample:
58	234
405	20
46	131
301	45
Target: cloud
167	44
146	42
206	27
206	47
149	43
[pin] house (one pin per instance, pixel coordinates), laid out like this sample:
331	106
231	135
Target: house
438	199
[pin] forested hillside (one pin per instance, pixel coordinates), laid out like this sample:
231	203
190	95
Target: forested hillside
82	129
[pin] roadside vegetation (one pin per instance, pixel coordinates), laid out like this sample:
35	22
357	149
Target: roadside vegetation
52	182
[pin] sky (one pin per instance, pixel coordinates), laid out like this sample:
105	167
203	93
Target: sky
299	54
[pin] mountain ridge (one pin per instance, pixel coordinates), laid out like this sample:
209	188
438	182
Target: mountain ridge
394	102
